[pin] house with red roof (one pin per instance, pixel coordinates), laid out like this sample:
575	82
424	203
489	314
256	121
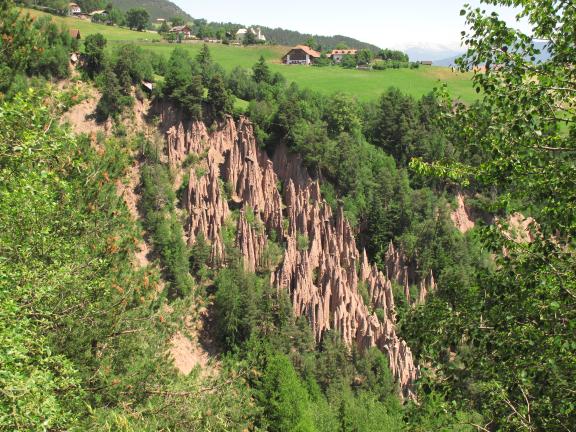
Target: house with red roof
301	54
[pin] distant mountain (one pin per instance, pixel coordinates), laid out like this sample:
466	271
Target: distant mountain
450	61
434	52
156	8
540	45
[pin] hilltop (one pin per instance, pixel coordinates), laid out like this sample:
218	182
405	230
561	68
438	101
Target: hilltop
156	8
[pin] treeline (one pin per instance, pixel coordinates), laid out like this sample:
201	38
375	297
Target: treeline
281	36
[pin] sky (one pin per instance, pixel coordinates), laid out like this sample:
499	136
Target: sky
385	23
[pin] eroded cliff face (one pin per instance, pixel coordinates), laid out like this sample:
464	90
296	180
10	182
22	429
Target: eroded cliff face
322	268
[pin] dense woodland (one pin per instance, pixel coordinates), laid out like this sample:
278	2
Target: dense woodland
83	338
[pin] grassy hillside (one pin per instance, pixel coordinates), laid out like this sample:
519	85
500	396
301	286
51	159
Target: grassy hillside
365	85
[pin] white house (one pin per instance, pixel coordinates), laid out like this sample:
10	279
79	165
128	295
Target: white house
74	9
241	34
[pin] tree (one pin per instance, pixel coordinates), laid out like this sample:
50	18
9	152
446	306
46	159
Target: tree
137	18
182	84
521	315
131	66
15	57
115	16
177	21
393	55
348	61
113	98
164	28
285	399
250	38
261	71
94	46
219	97
342	114
207	66
364	57
396	125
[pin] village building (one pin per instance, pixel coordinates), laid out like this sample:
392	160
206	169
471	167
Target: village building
426	63
98	12
301	54
185	30
257	32
74	9
338	54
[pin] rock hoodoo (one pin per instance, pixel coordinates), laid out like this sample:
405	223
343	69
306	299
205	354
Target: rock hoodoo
326	275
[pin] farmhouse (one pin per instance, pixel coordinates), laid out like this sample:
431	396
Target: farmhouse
74	9
338	54
184	29
301	54
426	63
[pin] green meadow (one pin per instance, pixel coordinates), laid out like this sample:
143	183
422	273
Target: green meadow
365	85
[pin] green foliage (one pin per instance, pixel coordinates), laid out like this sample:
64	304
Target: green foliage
395	55
114	97
68	290
158	203
219	98
261	71
131	66
519	314
250	39
364	57
37	48
137	18
183	84
302	242
94	46
164	28
348	62
284	398
177	20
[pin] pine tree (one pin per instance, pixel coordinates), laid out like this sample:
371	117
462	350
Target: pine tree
261	71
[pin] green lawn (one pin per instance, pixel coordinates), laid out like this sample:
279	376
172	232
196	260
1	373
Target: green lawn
365	85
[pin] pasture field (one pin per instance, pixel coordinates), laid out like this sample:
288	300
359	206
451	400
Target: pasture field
364	85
